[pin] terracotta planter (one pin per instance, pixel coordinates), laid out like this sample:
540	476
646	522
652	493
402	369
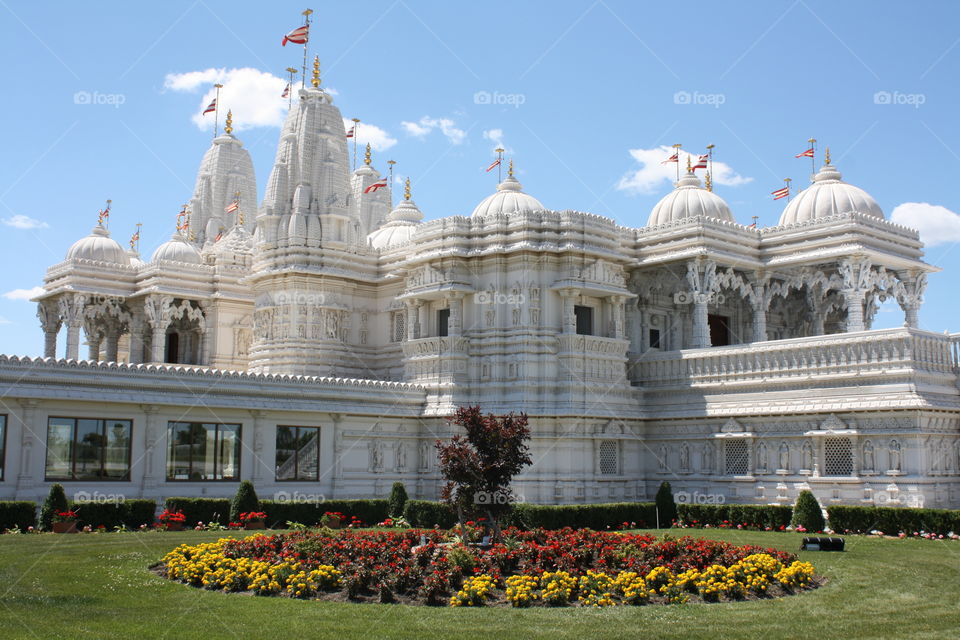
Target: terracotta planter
332	524
174	526
65	527
254	524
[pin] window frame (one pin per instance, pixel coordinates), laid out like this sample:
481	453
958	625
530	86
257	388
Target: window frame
74	448
296	453
216	452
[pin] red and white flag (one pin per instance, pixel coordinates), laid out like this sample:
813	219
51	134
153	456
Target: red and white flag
806	154
286	91
379	184
211	107
752	226
493	165
300	35
219	236
674	158
233	206
702	162
781	193
350	133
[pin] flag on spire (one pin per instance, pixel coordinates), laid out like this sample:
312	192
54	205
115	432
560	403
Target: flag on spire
702	162
379	184
674	158
350	133
233	206
286	91
493	165
103	214
300	35
781	193
806	154
211	107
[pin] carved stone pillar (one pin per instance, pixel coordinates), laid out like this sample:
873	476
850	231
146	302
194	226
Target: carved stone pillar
854	300
50	322
93	344
153	449
569	317
262	464
71	311
911	297
455	327
413	319
157	311
136	337
617	310
28	435
113	339
701	279
856	280
759	309
701	326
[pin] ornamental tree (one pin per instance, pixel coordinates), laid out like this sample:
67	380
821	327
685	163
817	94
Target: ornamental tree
55	502
244	501
807	512
666	507
479	466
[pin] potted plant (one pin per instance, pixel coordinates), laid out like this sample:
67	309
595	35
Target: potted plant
65	521
332	519
253	519
172	520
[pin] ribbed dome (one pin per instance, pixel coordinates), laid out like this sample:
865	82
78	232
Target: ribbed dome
689	200
400	226
176	249
237	241
98	246
827	196
134	256
508	199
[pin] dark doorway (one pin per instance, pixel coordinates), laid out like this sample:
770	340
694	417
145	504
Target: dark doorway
719	330
443	322
170	354
584	316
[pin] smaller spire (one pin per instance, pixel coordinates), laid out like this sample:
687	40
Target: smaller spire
103	214
510	169
315	81
135	238
689	166
366	155
228	127
406	190
826	155
709	182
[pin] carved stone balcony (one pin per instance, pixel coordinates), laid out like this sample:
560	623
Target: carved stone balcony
436	359
592	358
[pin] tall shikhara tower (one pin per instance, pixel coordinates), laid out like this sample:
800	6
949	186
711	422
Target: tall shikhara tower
311	250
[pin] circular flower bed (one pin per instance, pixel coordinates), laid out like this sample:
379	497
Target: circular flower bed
546	568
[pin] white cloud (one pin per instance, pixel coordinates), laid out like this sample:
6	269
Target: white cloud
379	139
426	124
20	221
4	320
936	224
496	137
252	95
650	175
23	294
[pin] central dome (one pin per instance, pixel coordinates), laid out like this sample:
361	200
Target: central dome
828	196
508	199
689	200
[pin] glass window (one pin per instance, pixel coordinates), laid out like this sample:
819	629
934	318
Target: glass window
298	453
655	338
3	443
203	451
584	316
88	449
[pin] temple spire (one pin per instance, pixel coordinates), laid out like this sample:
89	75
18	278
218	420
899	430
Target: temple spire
406	190
366	155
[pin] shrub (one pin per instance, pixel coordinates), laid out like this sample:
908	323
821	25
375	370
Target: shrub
666	507
245	500
20	514
424	513
807	512
201	509
398	500
893	520
773	517
600	516
130	513
55	501
310	513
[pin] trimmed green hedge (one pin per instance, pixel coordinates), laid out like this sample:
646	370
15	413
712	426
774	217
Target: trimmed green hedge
370	512
893	520
131	513
20	514
591	516
201	509
751	515
426	513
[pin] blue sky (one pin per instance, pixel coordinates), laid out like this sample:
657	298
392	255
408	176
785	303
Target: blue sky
103	102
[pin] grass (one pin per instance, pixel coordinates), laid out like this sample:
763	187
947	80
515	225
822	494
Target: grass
98	586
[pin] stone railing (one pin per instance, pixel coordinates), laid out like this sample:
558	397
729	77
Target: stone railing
840	354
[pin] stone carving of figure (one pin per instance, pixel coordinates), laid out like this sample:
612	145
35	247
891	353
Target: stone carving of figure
400	453
706	458
762	457
684	457
376	455
784	456
868	456
895	456
807	458
424	455
662	457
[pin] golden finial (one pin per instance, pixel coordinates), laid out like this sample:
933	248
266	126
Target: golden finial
689	166
510	168
709	182
406	190
228	128
315	81
366	155
826	155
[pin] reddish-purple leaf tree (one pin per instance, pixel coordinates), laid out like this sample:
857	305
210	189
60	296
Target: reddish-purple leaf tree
479	466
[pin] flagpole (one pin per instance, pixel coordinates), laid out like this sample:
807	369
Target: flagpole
710	161
356	134
499	151
789	193
136	246
306	44
216	109
292	72
676	151
813	158
390	163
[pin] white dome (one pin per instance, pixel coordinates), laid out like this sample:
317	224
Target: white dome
237	241
689	200
176	249
827	196
399	228
134	256
508	199
98	246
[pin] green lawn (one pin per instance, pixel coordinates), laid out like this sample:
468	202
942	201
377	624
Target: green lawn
98	586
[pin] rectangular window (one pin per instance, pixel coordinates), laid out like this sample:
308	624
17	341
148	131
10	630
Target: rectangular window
3	443
736	457
398	332
88	449
298	453
584	316
203	451
443	322
609	458
837	456
655	338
